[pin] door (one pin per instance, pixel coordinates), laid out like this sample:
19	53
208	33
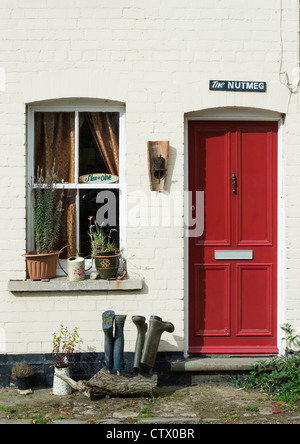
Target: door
233	264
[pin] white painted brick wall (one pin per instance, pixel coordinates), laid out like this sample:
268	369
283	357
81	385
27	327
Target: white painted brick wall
157	58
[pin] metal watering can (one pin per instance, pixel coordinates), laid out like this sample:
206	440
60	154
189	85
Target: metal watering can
75	267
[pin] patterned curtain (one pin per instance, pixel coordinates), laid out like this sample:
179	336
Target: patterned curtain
55	142
105	130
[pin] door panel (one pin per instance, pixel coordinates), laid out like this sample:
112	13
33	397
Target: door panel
254	291
255	188
233	264
213	154
212	313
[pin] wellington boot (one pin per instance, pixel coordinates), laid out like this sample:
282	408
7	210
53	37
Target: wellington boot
140	322
107	325
119	363
156	328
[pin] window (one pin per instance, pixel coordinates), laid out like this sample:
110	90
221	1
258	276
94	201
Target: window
86	144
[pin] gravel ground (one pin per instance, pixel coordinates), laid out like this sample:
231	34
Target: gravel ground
207	403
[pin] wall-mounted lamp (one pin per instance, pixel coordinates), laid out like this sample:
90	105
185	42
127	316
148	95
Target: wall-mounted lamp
158	153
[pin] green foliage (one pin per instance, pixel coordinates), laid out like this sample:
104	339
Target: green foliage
47	211
40	419
280	376
145	412
64	344
252	408
291	338
100	242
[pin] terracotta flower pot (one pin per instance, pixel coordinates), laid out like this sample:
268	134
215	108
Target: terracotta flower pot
41	266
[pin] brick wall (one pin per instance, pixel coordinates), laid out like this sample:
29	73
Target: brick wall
157	58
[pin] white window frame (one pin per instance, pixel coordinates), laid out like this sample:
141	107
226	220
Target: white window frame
121	185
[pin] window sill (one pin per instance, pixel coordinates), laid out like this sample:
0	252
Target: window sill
61	284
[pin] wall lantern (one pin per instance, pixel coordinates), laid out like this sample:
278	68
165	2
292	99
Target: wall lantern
158	154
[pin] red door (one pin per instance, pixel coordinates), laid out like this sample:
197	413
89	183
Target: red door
233	264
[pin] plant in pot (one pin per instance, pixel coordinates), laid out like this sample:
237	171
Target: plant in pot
64	344
104	251
22	373
47	216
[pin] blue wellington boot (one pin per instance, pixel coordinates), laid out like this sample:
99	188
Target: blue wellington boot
107	325
119	363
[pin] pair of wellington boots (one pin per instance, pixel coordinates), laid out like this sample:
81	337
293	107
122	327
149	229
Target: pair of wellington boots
147	345
113	341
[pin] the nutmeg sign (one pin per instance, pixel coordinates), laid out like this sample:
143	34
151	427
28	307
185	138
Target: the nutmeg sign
98	178
237	85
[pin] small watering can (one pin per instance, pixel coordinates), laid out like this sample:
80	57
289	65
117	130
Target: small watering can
75	267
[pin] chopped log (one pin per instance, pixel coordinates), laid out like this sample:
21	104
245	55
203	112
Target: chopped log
104	383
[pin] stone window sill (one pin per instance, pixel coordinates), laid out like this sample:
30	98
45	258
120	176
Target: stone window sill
61	284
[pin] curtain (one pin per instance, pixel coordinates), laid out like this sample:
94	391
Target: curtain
105	129
55	142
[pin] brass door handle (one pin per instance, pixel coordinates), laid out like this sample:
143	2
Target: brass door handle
234	181
193	208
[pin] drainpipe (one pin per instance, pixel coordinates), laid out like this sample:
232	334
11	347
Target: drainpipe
296	80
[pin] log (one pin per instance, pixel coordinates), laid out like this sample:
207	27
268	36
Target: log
104	383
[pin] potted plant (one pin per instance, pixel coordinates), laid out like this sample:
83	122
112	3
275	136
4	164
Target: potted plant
64	344
104	251
22	373
47	215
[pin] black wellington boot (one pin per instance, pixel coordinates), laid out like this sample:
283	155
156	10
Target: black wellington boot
107	325
140	322
156	328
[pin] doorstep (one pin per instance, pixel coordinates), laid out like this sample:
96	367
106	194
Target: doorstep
62	284
229	363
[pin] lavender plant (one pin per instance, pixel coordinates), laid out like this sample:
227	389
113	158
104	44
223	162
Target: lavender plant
47	211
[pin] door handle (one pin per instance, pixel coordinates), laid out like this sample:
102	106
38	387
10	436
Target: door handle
234	182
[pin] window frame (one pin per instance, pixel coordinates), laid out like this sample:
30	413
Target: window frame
121	185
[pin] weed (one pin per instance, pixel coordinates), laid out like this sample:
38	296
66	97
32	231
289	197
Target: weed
146	412
292	339
230	415
280	376
6	409
252	408
40	419
289	398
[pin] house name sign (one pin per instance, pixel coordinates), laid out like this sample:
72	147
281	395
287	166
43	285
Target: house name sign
234	85
98	178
